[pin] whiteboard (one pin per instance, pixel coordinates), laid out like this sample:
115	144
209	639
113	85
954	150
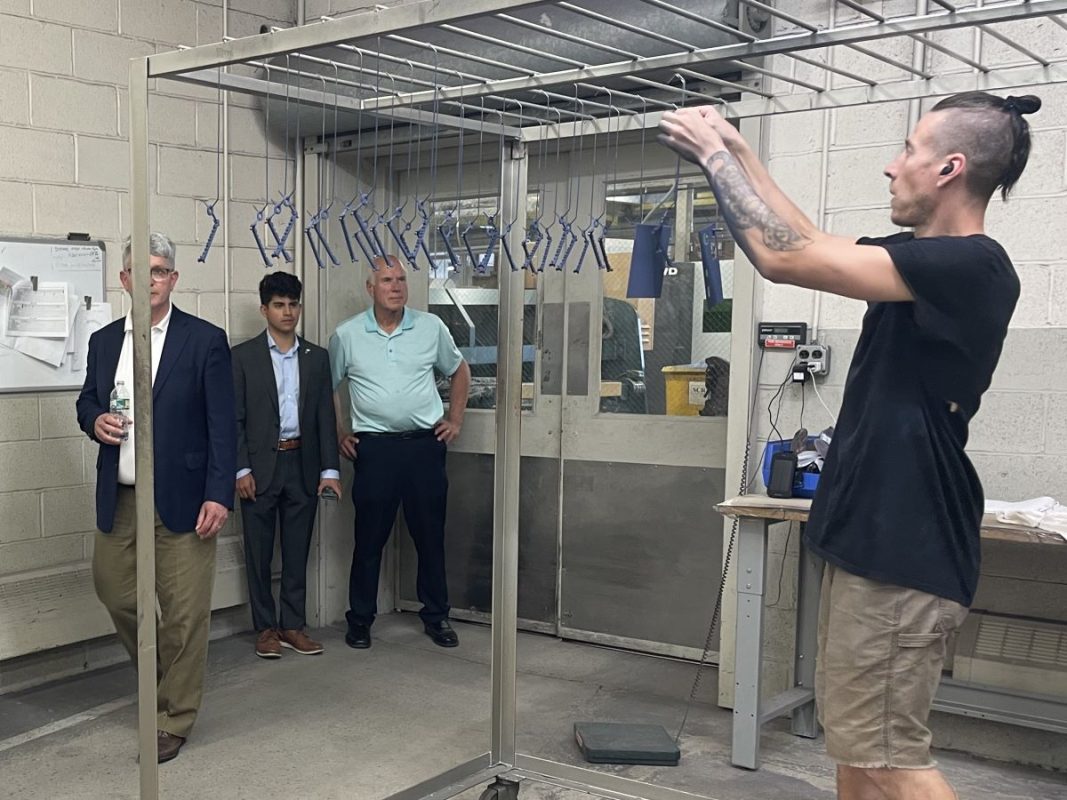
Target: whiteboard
80	265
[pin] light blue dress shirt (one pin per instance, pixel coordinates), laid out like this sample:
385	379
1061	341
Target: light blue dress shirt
287	379
390	376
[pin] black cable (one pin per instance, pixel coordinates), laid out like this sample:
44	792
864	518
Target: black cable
726	559
781	571
773	420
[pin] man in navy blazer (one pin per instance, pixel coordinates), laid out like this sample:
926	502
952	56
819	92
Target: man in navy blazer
194	443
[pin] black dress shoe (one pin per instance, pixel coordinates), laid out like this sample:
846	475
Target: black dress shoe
441	633
168	745
358	636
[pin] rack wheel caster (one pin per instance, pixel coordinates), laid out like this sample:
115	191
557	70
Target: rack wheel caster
501	789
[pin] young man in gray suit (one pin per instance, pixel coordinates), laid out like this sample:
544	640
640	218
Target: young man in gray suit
286	458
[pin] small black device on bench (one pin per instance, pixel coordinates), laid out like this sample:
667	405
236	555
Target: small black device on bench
783	473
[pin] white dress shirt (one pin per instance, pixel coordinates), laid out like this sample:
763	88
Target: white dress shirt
124	372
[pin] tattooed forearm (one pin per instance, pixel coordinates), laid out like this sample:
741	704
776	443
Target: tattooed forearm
744	209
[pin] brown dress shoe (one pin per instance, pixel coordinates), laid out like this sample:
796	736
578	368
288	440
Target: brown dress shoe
168	745
267	645
300	642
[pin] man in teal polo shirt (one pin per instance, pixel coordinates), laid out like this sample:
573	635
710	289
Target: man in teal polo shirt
398	439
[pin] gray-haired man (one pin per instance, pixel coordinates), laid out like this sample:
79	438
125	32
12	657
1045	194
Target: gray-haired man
194	443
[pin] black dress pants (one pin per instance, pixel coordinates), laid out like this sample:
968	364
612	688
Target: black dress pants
391	469
287	500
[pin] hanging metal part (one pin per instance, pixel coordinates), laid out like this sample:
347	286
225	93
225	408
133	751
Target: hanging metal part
286	200
348	207
588	232
465	236
535	234
254	227
317	241
210	207
662	242
570	237
422	207
280	240
393	221
600	253
260	218
494	231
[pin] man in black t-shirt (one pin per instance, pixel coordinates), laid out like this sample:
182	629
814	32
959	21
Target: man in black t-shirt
899	506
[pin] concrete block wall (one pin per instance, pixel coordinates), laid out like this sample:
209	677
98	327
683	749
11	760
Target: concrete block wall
64	166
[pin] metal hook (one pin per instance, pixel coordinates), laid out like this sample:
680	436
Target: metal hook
475	261
349	206
218	178
313	230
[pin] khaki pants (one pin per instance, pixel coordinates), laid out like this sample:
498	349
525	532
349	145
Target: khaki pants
881	650
185	574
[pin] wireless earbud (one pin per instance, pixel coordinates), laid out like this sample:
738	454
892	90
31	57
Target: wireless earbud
946	170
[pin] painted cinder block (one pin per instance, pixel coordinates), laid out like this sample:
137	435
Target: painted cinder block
61	209
105	57
1009	422
42	44
22	556
19	419
99	14
55	98
59	419
32	155
70	510
103	162
40	465
163	21
14	98
18	208
21	513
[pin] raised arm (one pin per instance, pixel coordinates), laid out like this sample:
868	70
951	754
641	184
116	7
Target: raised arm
779	240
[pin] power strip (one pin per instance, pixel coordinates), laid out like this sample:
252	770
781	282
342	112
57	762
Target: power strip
814	358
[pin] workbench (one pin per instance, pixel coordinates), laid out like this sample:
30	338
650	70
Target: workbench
755	515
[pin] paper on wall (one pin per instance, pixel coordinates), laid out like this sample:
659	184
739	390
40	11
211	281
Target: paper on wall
88	322
8	279
41	313
53	350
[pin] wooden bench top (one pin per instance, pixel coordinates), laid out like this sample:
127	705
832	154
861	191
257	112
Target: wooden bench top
795	509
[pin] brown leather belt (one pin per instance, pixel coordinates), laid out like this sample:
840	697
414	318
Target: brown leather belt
288	444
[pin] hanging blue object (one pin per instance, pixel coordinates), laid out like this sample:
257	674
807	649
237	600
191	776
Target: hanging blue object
648	260
709	257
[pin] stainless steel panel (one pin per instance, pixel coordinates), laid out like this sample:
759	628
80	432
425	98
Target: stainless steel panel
578	349
552	349
642	550
469	537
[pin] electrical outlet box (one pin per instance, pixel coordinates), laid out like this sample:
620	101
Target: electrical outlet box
815	357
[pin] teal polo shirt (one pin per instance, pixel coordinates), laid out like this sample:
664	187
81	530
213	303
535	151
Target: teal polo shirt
391	385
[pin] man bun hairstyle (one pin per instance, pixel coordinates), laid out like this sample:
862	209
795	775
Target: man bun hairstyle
992	133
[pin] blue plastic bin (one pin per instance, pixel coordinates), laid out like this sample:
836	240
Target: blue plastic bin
805	483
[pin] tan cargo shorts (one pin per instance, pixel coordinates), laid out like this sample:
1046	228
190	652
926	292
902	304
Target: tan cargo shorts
881	650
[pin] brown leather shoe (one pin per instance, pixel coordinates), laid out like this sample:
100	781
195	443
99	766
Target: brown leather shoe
300	642
267	645
168	745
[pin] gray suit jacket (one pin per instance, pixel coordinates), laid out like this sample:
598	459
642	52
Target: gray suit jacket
256	395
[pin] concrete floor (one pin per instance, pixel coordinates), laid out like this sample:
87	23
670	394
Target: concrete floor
365	724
